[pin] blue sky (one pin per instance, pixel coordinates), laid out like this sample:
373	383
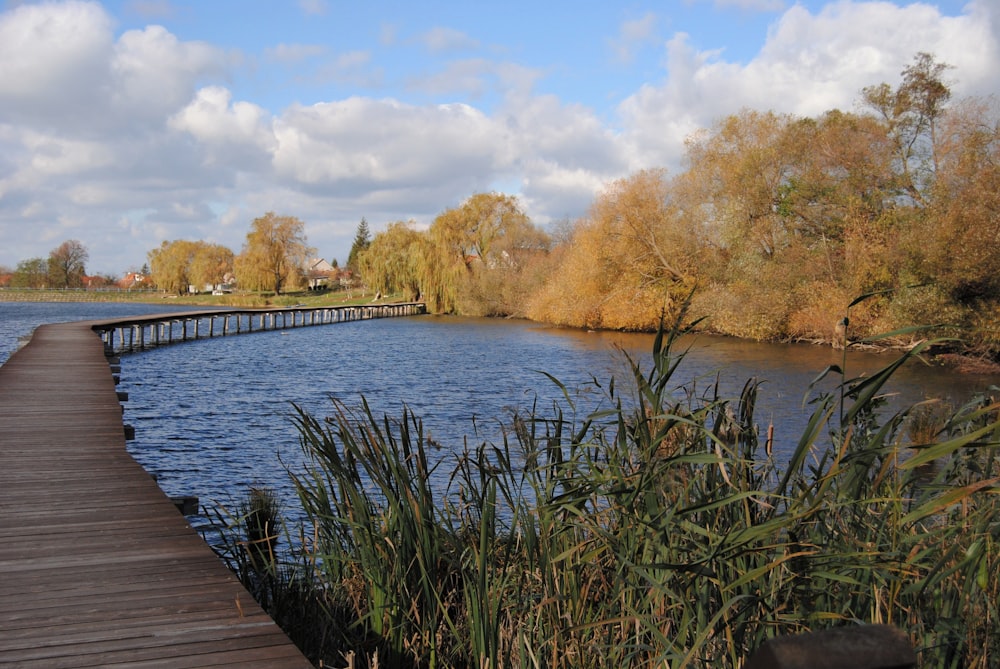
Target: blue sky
124	124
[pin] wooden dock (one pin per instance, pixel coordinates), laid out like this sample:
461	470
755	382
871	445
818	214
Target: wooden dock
97	566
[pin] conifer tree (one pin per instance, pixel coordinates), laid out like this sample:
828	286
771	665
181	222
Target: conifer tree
362	240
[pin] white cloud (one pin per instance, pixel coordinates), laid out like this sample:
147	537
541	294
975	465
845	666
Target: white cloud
351	68
753	5
440	39
53	58
359	144
388	34
151	8
477	77
51	156
293	53
632	35
212	118
314	7
155	73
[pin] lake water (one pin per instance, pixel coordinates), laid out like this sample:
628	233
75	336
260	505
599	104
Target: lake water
213	417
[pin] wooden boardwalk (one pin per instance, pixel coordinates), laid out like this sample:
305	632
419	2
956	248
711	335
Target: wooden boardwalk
136	333
97	566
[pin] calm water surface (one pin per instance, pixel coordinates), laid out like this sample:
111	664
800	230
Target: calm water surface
213	417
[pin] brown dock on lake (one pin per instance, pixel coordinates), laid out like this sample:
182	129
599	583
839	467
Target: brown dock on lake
97	566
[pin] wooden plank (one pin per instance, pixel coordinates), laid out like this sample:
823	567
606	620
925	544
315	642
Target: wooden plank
97	567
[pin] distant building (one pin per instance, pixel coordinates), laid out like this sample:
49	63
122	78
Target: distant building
319	274
134	281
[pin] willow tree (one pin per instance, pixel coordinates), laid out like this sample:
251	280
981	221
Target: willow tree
779	195
170	265
483	234
274	254
393	260
30	273
834	205
742	165
177	265
952	249
211	264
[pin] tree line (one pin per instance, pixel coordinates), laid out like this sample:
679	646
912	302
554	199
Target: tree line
273	258
777	225
64	268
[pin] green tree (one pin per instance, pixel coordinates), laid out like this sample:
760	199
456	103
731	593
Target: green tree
66	265
362	240
481	231
31	273
392	262
274	254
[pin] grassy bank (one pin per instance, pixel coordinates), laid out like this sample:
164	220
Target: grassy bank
18	295
658	532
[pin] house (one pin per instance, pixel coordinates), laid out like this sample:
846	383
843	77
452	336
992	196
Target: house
319	273
134	281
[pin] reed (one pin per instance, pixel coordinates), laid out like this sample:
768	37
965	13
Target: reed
655	532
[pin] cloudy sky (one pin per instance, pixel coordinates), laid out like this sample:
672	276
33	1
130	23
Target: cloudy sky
127	123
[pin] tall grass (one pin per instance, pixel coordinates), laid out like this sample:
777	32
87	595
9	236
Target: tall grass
657	532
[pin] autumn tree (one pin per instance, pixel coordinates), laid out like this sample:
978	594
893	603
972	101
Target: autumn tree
504	285
66	265
953	252
362	240
634	255
170	265
742	166
484	233
211	264
274	254
911	113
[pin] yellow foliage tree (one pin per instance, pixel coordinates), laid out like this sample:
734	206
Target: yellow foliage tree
486	241
179	264
274	254
211	264
170	265
628	260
